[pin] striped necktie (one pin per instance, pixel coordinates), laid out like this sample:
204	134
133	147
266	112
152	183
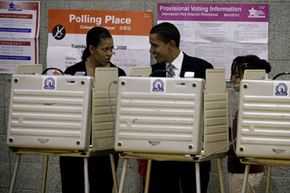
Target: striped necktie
170	68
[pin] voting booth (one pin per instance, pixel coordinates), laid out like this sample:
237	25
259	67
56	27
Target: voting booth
181	119
49	112
63	116
263	124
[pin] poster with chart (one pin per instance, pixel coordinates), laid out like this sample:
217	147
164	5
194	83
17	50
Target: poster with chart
19	29
68	28
219	32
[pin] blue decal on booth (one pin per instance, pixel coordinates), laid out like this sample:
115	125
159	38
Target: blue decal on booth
158	85
281	89
49	83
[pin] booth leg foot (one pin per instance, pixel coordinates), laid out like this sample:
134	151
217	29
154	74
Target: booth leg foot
268	182
197	177
123	176
115	180
246	175
148	172
44	173
15	172
220	174
86	175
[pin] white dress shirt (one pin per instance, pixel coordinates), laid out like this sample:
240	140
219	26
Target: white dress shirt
177	62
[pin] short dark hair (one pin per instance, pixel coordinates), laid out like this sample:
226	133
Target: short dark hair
250	62
94	36
167	31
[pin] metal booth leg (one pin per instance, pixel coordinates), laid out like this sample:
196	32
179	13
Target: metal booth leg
123	176
246	175
197	177
15	171
148	172
86	175
221	179
268	182
44	173
115	180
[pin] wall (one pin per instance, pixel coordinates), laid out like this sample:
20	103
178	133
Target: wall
29	177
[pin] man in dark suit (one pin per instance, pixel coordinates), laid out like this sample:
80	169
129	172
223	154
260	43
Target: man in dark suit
173	176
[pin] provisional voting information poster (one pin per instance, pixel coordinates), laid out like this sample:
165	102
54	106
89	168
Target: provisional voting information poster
68	28
19	29
219	32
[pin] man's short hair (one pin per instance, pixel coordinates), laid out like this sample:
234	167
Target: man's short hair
167	32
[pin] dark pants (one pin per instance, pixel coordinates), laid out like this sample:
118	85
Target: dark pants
100	174
176	177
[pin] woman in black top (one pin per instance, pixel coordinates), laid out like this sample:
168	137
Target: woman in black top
98	53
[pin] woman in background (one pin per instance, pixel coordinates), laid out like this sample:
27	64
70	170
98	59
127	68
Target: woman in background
98	53
235	167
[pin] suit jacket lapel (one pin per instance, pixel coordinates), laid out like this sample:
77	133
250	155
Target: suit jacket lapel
184	65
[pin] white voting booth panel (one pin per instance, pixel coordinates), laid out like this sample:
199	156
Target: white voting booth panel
264	114
104	108
76	114
144	71
29	69
172	115
49	112
159	115
215	117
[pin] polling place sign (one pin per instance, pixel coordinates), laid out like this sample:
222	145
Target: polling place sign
68	28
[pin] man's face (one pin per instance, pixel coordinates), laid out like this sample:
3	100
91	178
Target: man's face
159	49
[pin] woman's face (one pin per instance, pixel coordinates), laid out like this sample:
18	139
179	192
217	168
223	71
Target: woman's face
237	77
103	52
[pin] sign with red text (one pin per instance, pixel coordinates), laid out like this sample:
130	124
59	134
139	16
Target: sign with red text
219	32
19	29
68	28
